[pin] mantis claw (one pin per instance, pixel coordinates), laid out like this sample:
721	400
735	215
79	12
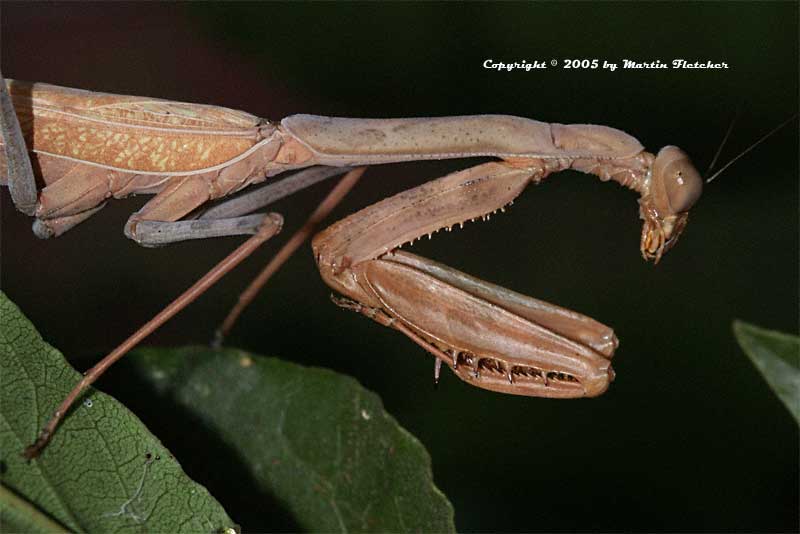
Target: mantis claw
494	332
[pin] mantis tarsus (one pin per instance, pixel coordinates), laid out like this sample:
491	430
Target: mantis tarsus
87	147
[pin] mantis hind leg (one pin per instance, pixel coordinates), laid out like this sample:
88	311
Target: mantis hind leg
157	223
75	191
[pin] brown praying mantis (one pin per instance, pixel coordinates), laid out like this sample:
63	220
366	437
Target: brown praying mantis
86	147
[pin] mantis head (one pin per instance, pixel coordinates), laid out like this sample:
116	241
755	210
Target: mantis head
675	186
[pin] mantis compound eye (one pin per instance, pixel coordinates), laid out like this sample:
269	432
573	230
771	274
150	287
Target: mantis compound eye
676	185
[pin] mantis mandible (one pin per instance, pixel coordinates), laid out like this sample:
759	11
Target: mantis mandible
87	147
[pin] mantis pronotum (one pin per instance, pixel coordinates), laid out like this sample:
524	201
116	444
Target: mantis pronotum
87	147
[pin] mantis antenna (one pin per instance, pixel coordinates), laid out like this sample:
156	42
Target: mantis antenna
724	140
748	149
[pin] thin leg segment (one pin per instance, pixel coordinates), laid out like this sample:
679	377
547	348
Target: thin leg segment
21	181
158	233
268	229
269	193
323	210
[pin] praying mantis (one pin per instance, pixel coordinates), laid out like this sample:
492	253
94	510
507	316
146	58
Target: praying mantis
87	147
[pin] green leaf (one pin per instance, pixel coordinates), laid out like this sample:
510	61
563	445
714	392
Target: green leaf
102	472
317	441
777	356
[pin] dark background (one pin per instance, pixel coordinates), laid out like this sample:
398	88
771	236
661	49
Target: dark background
689	437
